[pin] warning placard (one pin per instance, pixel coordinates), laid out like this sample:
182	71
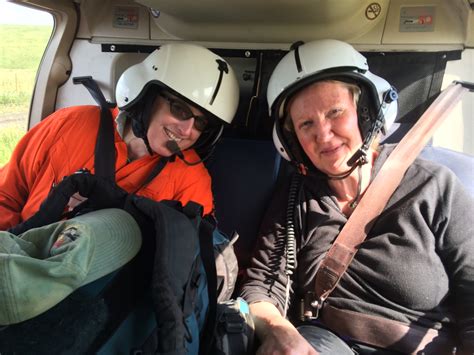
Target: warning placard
125	17
417	19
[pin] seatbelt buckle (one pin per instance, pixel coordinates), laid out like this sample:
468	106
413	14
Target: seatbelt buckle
311	306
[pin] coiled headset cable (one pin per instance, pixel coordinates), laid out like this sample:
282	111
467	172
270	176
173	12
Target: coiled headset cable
290	246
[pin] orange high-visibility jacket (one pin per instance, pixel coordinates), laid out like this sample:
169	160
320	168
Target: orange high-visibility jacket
64	142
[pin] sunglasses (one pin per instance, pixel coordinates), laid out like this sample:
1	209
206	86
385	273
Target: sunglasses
182	112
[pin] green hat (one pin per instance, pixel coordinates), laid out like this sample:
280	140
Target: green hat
41	267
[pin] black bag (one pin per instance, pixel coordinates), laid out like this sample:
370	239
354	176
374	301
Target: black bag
184	284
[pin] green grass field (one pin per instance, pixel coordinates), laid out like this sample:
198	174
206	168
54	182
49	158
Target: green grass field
21	49
9	136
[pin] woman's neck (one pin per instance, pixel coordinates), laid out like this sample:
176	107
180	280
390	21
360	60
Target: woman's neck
136	147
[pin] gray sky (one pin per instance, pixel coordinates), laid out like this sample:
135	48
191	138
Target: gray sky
16	14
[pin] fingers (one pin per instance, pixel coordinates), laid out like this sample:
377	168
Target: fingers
101	192
84	183
75	200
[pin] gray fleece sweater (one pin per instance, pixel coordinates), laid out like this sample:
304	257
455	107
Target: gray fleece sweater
416	265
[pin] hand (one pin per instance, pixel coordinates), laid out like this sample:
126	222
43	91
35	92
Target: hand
100	193
75	201
285	340
97	192
277	335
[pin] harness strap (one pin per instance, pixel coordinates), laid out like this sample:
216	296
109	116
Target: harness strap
355	230
175	248
387	333
155	172
104	153
206	247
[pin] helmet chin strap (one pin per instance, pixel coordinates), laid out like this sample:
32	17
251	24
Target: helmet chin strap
345	174
355	201
139	131
147	144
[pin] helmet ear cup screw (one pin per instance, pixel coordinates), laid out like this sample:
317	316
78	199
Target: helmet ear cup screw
364	113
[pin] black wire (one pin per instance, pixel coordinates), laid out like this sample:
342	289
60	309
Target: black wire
290	225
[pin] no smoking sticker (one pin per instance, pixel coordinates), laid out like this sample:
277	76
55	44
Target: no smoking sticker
417	19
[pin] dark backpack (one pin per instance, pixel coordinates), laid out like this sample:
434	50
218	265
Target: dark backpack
188	309
186	282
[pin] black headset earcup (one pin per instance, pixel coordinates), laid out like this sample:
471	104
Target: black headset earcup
140	114
137	125
365	113
207	141
295	150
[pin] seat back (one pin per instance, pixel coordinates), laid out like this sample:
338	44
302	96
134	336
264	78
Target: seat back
243	172
461	164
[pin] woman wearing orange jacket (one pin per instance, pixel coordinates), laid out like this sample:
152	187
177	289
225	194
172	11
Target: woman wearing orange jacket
174	103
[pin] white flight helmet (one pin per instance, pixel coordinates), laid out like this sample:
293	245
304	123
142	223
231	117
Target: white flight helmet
191	72
332	60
